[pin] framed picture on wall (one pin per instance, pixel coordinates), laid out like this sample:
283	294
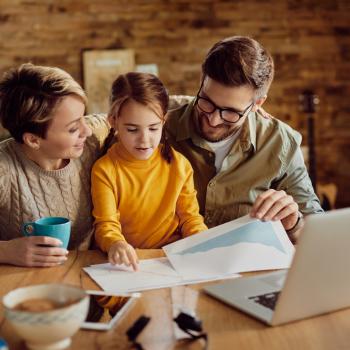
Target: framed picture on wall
100	68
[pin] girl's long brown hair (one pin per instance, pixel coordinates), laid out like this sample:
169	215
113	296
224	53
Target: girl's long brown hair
143	88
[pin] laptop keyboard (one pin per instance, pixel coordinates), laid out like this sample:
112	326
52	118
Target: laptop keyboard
268	300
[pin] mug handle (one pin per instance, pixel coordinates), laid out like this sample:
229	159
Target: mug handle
28	229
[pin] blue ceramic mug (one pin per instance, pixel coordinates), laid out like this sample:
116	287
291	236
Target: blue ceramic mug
56	227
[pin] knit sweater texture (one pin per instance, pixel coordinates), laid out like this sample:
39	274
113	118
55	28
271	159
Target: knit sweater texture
28	192
148	203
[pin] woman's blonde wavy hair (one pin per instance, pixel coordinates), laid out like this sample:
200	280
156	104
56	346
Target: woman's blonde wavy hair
29	96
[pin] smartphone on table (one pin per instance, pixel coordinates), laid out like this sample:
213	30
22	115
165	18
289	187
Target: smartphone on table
107	309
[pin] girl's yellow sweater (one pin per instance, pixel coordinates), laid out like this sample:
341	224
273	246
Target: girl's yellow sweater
148	203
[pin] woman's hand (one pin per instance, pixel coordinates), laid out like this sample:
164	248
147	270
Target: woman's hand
122	252
33	252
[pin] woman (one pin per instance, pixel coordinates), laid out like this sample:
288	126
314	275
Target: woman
45	166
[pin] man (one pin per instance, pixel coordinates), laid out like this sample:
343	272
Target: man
243	163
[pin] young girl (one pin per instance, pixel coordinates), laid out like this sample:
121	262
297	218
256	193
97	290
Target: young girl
142	189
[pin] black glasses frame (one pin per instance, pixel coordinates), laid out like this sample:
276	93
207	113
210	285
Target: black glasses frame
215	107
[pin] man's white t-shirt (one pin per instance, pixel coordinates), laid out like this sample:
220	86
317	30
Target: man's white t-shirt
221	149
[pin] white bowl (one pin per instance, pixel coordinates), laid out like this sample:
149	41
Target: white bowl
47	330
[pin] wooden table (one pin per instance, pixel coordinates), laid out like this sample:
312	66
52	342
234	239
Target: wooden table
227	327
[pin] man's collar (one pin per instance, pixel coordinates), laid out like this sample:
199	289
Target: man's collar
248	133
185	128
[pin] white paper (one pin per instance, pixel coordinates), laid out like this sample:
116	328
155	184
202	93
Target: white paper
241	245
152	274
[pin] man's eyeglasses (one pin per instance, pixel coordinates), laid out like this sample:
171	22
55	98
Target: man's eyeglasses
228	115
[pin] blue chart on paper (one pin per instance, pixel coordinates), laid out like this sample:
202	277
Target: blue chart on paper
254	232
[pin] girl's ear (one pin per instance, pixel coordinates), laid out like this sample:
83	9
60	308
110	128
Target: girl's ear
111	120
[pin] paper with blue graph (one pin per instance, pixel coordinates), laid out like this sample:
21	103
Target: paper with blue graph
222	252
241	245
152	274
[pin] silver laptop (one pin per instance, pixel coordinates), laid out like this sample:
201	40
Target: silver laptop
317	281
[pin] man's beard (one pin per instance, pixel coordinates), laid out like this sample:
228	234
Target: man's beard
227	130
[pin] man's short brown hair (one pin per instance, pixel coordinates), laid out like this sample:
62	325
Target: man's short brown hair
29	96
238	61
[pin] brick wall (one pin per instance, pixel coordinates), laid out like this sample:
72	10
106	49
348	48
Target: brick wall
309	40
